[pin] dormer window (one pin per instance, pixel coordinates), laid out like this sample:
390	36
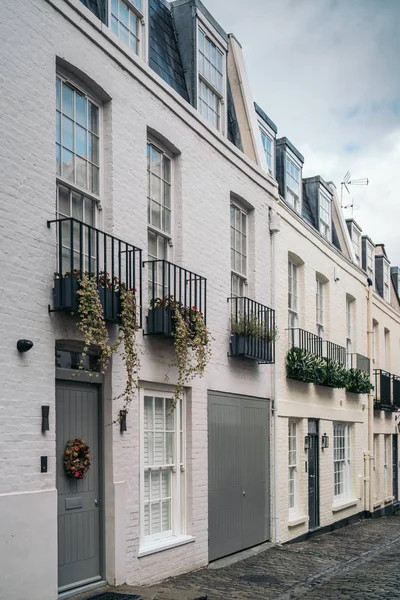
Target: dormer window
211	79
386	280
267	146
356	239
126	22
292	184
325	215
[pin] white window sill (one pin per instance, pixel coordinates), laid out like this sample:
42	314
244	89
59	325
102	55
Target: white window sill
389	499
160	545
377	503
298	521
344	505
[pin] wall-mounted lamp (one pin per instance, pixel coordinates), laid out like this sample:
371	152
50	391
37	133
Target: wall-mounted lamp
24	345
325	441
306	442
122	420
45	418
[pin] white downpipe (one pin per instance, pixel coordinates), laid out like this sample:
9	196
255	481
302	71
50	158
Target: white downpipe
274	227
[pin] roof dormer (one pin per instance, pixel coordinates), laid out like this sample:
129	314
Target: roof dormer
203	47
382	272
320	197
268	131
289	165
355	232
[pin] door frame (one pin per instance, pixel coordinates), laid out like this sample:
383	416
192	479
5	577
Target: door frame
395	467
67	374
315	437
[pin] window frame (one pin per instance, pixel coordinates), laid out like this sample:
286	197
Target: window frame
178	478
370	261
320	307
325	228
386	281
77	88
200	77
296	198
141	25
356	240
293	292
235	274
293	472
386	464
345	463
349	329
267	132
159	230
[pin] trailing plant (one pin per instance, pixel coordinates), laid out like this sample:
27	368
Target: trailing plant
359	382
192	347
253	326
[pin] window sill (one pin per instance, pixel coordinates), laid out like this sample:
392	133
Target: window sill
299	521
377	503
344	505
388	499
161	545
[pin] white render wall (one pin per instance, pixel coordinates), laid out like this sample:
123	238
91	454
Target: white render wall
34	34
301	401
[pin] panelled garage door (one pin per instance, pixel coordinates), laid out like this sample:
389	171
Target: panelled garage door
238	473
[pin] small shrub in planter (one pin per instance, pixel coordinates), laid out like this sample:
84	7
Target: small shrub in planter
251	338
161	316
336	375
358	382
302	365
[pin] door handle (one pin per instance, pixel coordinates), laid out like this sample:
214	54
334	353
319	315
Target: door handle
244	493
96	502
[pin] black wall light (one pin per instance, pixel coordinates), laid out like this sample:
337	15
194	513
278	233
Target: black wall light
122	420
325	441
45	418
24	345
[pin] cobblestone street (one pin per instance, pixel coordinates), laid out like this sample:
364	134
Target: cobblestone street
359	562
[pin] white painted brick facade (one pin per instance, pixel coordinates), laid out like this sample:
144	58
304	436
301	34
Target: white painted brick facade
208	170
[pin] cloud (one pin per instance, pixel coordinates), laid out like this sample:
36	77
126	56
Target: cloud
325	71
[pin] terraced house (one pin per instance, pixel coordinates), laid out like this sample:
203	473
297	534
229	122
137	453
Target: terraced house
147	199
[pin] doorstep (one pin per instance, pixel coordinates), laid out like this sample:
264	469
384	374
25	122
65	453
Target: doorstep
146	593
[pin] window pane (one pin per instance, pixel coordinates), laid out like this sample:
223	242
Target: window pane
81	171
58	127
94	148
80	106
155	161
94	179
58	160
155	188
67	165
93	118
123	14
124	34
67	100
155	214
167	195
67	133
114	25
63	202
81	141
58	94
133	43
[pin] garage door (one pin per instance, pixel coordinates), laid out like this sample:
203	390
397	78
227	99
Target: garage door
238	473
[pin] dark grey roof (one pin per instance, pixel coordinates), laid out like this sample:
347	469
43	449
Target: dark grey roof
335	239
205	12
233	126
283	141
164	57
265	118
307	212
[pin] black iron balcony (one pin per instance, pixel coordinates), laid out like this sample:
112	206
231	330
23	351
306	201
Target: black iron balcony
114	264
334	352
396	391
305	340
172	288
253	330
359	362
383	392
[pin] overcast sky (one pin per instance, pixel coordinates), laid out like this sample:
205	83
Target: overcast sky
327	72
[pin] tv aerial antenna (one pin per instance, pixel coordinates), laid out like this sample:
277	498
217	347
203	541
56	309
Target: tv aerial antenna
347	181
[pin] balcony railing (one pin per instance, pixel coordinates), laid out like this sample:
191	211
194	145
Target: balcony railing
305	340
332	351
253	330
113	263
383	391
171	287
396	391
359	362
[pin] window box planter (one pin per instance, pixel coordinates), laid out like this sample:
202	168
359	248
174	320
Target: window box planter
160	321
250	347
67	299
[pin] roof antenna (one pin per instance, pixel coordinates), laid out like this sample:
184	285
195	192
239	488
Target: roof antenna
345	183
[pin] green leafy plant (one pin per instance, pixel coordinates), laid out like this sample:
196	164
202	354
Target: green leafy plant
253	326
302	365
336	375
359	382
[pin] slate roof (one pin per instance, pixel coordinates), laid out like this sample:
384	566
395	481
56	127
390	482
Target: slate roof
164	57
233	126
265	118
307	213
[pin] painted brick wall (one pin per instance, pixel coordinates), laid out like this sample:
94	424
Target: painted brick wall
209	169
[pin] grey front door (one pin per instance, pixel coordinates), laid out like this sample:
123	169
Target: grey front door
395	465
238	480
313	474
79	553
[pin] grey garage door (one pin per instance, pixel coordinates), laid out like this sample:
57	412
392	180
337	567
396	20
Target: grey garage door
79	551
238	473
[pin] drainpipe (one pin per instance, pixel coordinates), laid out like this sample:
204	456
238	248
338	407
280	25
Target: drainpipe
274	228
369	456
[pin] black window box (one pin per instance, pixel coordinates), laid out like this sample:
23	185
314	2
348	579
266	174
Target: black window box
382	406
160	321
67	299
251	347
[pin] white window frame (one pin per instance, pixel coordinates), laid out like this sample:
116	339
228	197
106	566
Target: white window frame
141	25
386	281
349	330
292	197
356	239
177	534
341	462
59	178
220	94
238	277
375	463
319	305
370	261
265	132
293	294
325	215
293	475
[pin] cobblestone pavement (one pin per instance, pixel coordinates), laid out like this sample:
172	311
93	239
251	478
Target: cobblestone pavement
359	562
